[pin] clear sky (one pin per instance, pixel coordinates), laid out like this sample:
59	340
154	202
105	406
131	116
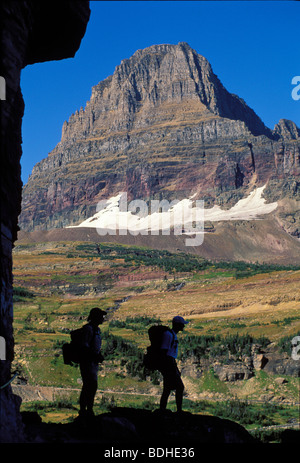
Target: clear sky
252	46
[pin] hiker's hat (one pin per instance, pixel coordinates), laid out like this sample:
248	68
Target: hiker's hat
179	319
96	313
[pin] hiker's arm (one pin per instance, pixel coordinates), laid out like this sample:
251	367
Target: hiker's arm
165	359
86	343
90	350
166	342
166	348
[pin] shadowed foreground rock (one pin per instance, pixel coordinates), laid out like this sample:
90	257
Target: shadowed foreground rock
30	32
136	426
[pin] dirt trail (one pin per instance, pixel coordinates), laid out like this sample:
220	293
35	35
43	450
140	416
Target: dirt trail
51	393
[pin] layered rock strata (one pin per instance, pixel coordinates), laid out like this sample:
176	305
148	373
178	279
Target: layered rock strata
162	126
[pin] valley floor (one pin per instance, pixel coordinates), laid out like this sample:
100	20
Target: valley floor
251	309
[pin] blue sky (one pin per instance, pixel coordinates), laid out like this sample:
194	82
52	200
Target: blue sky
253	48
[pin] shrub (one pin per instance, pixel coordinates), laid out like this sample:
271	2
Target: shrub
131	356
285	343
242	412
216	346
20	294
134	323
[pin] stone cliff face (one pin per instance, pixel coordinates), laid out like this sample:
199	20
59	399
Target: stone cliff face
162	126
26	37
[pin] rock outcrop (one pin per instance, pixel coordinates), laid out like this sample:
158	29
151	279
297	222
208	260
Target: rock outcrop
27	36
162	126
141	428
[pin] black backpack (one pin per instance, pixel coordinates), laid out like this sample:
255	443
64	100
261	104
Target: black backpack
72	351
153	359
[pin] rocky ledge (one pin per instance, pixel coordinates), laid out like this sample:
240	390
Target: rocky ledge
141	427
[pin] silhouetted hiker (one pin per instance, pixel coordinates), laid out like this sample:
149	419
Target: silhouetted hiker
171	375
90	359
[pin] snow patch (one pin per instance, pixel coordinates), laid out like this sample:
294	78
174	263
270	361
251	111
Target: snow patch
113	215
249	208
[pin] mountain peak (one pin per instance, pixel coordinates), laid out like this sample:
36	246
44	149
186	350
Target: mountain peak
287	129
161	126
159	75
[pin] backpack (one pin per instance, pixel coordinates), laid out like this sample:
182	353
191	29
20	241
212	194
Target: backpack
72	351
152	359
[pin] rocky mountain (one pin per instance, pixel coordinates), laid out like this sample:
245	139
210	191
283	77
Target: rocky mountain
164	127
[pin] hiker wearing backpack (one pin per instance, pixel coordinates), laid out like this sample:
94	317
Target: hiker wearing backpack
90	358
171	374
161	355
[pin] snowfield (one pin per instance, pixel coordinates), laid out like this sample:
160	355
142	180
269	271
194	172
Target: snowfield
115	214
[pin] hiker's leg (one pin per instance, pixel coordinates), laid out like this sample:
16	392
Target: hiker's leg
92	387
164	397
89	388
82	399
83	394
170	381
166	391
91	396
87	396
179	394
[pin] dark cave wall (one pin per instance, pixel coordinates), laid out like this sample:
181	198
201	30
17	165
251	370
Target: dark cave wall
31	31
